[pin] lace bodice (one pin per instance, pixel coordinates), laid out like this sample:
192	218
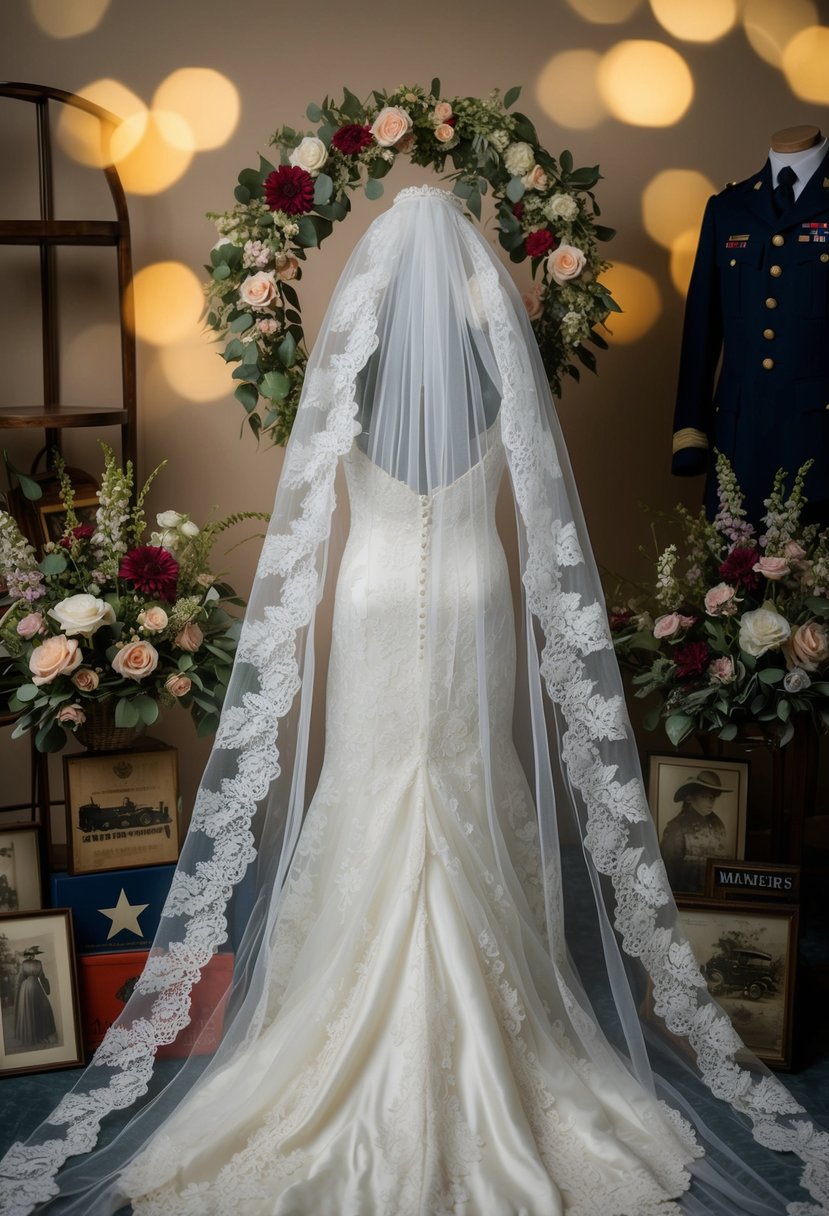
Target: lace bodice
413	192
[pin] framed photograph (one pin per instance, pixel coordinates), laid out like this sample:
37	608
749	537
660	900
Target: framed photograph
699	808
748	955
757	880
52	515
40	1027
21	879
122	809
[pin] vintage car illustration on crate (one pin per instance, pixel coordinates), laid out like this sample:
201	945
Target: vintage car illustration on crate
128	814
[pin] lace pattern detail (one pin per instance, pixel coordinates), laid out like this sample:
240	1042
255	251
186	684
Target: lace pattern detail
445	196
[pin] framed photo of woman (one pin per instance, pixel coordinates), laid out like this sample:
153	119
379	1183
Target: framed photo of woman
21	884
40	1025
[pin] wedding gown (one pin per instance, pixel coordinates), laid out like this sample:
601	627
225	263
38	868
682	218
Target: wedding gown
414	1059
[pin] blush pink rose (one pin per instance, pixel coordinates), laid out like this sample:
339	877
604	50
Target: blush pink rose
178	685
71	715
189	638
390	125
773	568
85	679
258	290
793	551
721	600
444	133
808	647
136	660
534	301
565	263
443	111
287	266
57	656
153	619
671	624
30	625
722	671
536	179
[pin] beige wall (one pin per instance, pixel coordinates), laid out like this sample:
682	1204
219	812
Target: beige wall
282	56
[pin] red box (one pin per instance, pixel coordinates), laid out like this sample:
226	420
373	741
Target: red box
106	981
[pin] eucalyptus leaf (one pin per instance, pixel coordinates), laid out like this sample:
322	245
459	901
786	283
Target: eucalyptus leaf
515	189
27	692
323	188
275	386
126	713
729	731
374	188
771	675
677	726
52	563
248	396
239	324
287	351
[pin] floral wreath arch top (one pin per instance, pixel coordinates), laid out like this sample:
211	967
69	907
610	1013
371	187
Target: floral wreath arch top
545	210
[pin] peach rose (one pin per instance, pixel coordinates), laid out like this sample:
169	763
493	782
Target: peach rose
565	263
86	679
390	125
71	715
808	646
56	656
286	266
671	624
534	301
721	600
773	568
30	625
258	290
135	660
190	638
536	179
443	111
444	133
178	685
153	619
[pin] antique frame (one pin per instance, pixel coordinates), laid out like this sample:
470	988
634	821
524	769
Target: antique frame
773	880
21	874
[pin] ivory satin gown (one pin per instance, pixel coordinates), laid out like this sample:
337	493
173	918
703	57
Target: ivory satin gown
420	1055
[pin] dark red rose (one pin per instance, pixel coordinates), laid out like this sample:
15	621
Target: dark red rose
691	660
540	242
352	138
737	567
79	532
518	209
289	189
152	570
619	617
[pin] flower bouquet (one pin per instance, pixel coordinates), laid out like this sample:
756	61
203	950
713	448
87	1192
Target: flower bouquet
108	619
737	628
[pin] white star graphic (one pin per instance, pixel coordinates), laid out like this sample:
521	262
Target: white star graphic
124	916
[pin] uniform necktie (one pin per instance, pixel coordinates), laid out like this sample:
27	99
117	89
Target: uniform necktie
784	190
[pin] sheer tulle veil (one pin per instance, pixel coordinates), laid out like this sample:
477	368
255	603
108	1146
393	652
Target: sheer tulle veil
426	356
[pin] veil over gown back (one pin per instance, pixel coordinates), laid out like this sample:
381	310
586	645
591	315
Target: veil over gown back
449	950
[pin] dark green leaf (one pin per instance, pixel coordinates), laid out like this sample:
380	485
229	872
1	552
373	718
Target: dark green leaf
511	96
126	713
221	272
677	726
323	188
313	112
435	87
729	731
275	386
566	161
290	294
307	234
242	195
239	324
251	180
234	350
771	675
248	395
474	204
603	233
287	351
524	129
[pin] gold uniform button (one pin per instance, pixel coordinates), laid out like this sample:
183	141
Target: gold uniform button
768	334
768	364
771	302
775	271
824	257
777	240
733	262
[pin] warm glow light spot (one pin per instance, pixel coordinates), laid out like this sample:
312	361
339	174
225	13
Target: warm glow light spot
605	12
806	64
770	25
683	252
566	90
168	303
152	151
81	135
646	84
699	21
196	371
673	202
636	293
97	346
68	18
207	100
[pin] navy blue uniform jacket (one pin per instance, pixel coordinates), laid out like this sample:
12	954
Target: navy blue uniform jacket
759	296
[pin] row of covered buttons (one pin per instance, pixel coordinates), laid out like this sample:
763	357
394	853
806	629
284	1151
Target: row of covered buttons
425	521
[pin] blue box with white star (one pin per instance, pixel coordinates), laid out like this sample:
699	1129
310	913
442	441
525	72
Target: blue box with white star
115	910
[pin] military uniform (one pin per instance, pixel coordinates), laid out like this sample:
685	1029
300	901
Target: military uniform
759	294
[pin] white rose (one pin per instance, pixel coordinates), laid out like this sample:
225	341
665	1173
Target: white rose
310	155
561	207
519	159
82	614
763	629
169	519
258	290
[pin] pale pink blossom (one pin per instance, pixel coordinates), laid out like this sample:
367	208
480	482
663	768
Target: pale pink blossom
390	125
178	685
71	715
808	646
56	656
189	638
85	679
30	625
443	111
772	568
721	600
722	671
136	660
671	625
534	301
444	133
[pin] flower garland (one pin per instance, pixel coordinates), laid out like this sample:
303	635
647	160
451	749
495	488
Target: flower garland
545	211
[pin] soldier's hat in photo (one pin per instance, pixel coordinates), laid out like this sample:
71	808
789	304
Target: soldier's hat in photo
706	779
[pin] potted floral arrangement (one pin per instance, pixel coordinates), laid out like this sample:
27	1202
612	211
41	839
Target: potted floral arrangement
109	627
736	629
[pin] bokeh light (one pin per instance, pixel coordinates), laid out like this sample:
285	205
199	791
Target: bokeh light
646	84
566	89
806	64
152	151
638	295
770	25
81	135
605	12
196	371
208	102
699	21
673	202
68	18
168	303
683	252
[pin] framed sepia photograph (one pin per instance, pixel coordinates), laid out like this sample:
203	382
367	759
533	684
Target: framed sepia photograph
52	514
748	955
21	879
755	880
40	1027
122	809
699	808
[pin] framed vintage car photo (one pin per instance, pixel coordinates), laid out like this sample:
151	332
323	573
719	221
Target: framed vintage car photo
21	880
122	809
40	1027
699	808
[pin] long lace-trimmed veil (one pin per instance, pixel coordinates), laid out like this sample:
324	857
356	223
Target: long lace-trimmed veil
426	363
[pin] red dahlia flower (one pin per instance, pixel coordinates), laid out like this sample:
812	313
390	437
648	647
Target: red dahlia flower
540	242
79	532
352	138
152	570
691	660
518	209
737	567
289	189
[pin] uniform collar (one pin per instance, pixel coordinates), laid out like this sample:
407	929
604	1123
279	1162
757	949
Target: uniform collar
815	195
805	164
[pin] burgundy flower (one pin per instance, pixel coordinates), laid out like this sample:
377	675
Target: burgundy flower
518	209
691	660
352	138
79	532
289	189
540	242
152	570
737	567
619	617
